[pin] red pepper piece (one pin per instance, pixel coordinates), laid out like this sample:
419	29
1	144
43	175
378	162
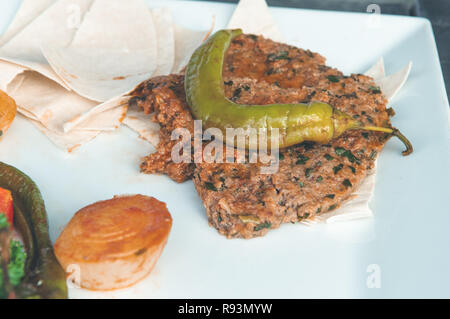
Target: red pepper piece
6	204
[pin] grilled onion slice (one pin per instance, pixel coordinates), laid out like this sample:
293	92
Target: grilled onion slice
8	110
114	243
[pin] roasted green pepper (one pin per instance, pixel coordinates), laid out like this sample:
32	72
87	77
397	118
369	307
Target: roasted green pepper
44	277
296	123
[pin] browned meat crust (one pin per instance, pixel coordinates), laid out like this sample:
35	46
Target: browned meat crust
312	179
164	96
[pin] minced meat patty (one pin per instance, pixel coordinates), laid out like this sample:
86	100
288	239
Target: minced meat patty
312	179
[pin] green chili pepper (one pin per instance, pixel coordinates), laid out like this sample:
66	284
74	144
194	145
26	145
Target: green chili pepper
316	122
44	277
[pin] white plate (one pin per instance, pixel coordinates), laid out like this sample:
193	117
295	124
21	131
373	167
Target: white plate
408	241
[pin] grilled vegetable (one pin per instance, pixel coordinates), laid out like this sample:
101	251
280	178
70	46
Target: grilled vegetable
12	260
6	204
115	243
296	123
44	277
8	110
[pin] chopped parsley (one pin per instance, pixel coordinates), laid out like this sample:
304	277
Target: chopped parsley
3	221
319	179
270	71
339	151
262	226
330	196
347	183
373	155
347	153
352	158
16	267
302	159
308	145
17	259
333	78
308	172
210	186
236	94
337	168
328	157
310	54
390	111
283	55
375	89
304	216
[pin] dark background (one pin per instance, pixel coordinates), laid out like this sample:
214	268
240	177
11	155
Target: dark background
437	11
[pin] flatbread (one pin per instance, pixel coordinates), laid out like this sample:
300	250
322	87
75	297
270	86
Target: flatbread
358	206
108	55
116	24
49	102
254	17
101	74
392	84
42	100
52	28
68	142
40	34
28	11
8	73
99	109
183	44
165	32
186	42
142	124
377	71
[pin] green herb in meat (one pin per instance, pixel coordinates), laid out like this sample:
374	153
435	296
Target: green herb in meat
210	186
3	221
17	259
262	226
375	89
302	159
333	78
